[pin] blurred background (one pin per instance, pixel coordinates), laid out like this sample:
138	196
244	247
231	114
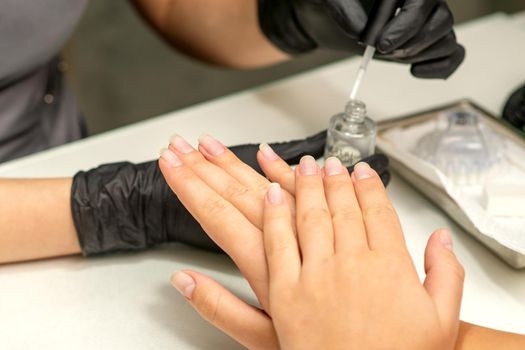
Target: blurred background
122	72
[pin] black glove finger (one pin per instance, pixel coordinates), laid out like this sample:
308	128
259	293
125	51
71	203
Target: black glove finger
445	47
332	24
279	23
379	162
290	151
514	110
438	26
403	27
440	68
385	178
349	15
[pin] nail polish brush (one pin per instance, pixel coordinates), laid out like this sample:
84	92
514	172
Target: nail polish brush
382	11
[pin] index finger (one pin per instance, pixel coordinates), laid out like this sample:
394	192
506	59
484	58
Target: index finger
225	225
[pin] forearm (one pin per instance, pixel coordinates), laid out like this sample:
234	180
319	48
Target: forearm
222	32
472	337
35	219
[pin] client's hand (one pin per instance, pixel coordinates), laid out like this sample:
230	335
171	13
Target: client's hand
340	275
355	281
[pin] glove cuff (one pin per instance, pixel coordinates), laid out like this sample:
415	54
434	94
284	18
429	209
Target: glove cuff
125	206
110	210
279	23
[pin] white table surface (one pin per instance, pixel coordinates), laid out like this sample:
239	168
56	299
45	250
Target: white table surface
125	301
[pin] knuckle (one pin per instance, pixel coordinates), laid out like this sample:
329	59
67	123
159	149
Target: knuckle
275	217
214	206
452	267
346	215
234	191
260	189
208	306
277	247
314	215
458	270
379	211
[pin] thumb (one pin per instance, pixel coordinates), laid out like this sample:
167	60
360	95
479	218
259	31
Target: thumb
444	278
245	323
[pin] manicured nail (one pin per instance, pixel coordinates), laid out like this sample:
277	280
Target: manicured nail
171	158
211	145
180	144
275	194
363	171
268	152
446	239
308	166
184	283
333	166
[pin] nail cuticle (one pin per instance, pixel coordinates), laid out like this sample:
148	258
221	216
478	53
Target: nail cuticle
171	158
274	194
333	166
181	145
184	283
211	145
268	152
362	171
308	166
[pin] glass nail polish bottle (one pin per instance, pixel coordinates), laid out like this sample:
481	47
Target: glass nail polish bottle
351	135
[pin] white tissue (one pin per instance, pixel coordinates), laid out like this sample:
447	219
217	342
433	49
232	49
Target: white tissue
504	199
508	231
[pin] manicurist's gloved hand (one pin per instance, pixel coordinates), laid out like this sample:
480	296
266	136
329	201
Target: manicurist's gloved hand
421	34
125	206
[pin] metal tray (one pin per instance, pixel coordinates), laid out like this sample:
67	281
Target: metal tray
439	196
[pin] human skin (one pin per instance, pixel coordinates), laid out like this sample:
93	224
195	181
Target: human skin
36	223
225	32
217	188
35	219
327	282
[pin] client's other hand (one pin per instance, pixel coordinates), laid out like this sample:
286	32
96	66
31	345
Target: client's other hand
345	279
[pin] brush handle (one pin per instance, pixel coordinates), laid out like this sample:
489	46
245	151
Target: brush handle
382	11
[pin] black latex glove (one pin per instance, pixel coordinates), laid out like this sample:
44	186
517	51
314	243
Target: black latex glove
421	34
514	110
125	206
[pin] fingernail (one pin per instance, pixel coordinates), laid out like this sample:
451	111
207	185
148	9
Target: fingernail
268	152
181	144
275	194
363	171
171	158
333	166
184	283
445	238
308	166
211	145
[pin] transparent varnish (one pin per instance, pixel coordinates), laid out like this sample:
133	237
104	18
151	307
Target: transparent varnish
351	135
